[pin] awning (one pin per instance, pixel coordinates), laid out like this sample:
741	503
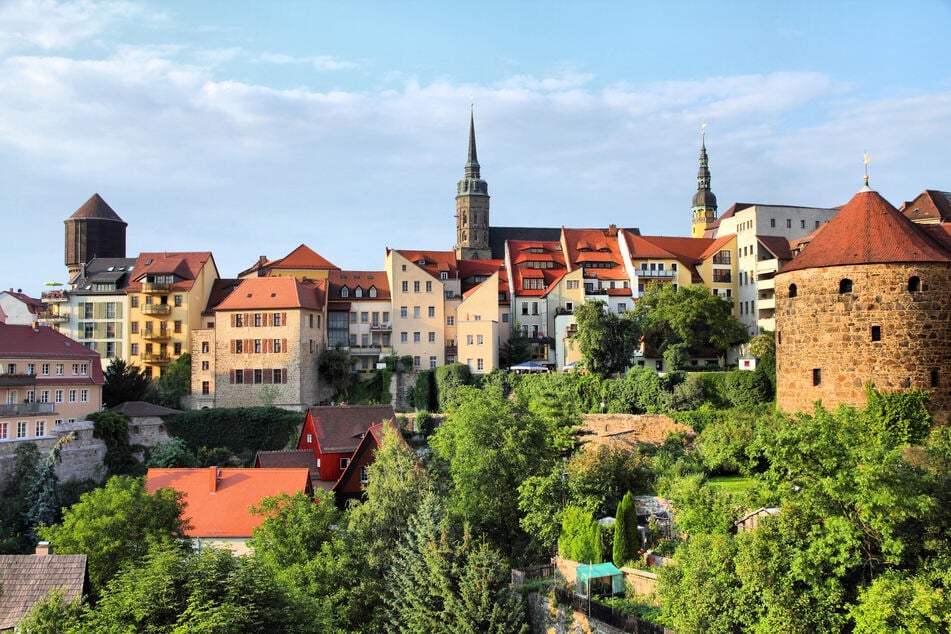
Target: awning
596	571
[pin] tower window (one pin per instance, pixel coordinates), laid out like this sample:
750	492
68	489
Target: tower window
793	290
914	284
816	376
845	286
934	377
876	333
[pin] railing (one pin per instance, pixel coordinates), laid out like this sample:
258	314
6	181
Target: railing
156	335
656	273
156	287
26	409
155	309
54	297
365	350
17	380
378	327
155	358
607	614
54	318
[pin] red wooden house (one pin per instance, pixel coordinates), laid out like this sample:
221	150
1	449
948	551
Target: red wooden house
334	433
354	479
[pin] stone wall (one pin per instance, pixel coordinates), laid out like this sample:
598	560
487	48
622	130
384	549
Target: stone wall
548	618
147	431
825	339
81	457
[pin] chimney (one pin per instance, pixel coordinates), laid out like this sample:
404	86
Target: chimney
612	231
215	474
44	548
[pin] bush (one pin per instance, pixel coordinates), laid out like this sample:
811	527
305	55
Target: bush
743	387
245	430
448	379
424	391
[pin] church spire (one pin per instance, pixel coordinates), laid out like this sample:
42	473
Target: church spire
472	164
472	206
704	205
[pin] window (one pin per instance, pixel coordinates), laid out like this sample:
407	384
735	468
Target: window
239	320
429	286
45	369
238	346
344	462
276	346
21	429
135	349
239	377
416	337
914	284
432	311
524	308
722	276
279	376
344	292
479	364
793	290
364	340
505	318
58	422
135	301
11	368
403	312
432	337
845	286
450	320
416	286
469	340
432	362
789	223
177	326
44	396
416	361
405	286
621	307
40	428
723	257
364	475
533	284
816	376
772	223
205	365
257	346
358	292
372	291
534	308
4	430
72	396
403	337
31	368
205	347
416	312
933	379
364	317
206	387
443	275
478	340
353	317
84	396
876	333
258	377
276	319
802	224
58	396
178	300
59	369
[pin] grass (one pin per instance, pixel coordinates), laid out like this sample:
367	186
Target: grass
732	484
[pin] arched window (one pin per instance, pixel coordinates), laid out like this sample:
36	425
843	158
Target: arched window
344	291
793	291
373	291
358	292
845	286
914	284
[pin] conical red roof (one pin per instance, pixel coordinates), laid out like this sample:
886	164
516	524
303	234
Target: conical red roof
868	230
96	208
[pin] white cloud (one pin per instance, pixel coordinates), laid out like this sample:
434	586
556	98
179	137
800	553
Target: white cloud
57	24
323	63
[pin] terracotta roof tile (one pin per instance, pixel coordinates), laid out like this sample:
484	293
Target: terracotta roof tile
96	208
929	206
364	279
303	258
185	265
433	262
222	509
275	292
777	245
25	342
869	230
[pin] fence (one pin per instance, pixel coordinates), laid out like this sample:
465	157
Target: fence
607	614
521	576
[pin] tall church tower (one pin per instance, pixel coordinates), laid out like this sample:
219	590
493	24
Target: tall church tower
704	202
472	208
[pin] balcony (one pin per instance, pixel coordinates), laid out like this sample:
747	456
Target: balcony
163	334
158	359
152	288
155	309
55	297
25	409
385	327
663	273
766	303
54	318
362	351
765	267
17	380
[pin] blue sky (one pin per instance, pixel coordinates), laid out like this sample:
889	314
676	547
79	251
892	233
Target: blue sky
247	128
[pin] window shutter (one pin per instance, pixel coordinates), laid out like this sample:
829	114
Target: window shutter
283	345
283	319
268	374
247	319
232	347
265	318
249	376
231	374
232	322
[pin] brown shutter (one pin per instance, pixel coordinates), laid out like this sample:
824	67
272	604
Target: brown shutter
284	375
232	321
283	345
232	347
247	319
231	375
283	319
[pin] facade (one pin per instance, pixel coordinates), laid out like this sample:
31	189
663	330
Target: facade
302	262
166	296
426	291
19	309
360	310
218	500
93	231
47	380
262	347
333	433
534	267
929	207
598	253
866	301
353	481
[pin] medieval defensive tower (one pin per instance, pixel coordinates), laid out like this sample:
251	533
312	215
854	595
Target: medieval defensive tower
93	231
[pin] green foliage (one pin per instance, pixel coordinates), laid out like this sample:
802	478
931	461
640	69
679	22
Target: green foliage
174	384
449	378
243	430
580	392
123	382
115	525
599	477
899	602
43	497
424	391
172	454
606	340
688	319
517	349
744	388
113	428
372	391
14	528
898	418
580	538
700	508
626	538
425	423
335	369
53	615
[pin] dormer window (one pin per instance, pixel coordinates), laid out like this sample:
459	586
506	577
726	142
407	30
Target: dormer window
344	291
372	291
443	275
358	292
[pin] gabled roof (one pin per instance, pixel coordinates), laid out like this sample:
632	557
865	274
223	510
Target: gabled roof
339	429
433	262
303	258
929	206
869	230
217	500
371	441
220	289
42	342
141	409
778	246
353	279
643	247
256	293
185	266
471	270
32	305
96	208
26	579
99	270
288	459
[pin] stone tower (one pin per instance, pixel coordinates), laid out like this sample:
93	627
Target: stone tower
93	231
704	205
472	208
867	301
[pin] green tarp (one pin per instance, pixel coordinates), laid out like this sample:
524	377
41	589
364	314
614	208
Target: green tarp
586	571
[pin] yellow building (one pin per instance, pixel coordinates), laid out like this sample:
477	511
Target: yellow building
166	297
478	328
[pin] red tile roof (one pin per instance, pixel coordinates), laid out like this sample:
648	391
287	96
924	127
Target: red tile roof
371	441
185	266
217	500
25	342
340	428
364	279
869	230
434	262
303	258
96	208
220	289
33	306
777	245
929	206
256	293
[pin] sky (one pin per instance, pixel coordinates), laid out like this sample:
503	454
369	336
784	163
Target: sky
247	128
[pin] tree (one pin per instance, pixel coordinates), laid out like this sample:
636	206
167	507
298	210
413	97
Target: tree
44	501
113	429
123	382
686	318
14	527
335	369
115	525
174	384
172	454
606	340
516	349
626	537
449	378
